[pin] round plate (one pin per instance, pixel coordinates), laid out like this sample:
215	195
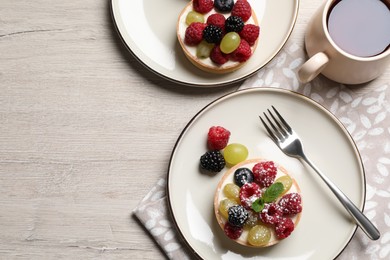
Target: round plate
148	29
325	228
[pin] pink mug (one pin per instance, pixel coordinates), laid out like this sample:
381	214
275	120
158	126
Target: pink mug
339	61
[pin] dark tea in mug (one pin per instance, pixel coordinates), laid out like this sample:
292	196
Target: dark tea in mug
360	27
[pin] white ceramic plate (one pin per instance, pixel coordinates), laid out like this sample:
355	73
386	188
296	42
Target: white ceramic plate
325	228
148	29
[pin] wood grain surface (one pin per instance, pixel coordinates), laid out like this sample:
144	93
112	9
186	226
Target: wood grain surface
85	131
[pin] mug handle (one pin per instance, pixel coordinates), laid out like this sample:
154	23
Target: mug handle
312	67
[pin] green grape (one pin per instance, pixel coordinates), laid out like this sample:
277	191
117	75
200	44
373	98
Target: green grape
232	191
259	235
230	42
286	181
252	219
193	17
224	206
235	153
203	49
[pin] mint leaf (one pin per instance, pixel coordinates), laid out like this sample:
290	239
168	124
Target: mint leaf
258	205
273	192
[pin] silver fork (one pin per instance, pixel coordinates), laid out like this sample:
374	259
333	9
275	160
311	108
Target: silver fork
289	142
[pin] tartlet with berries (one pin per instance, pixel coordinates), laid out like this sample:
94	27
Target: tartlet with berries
218	36
257	203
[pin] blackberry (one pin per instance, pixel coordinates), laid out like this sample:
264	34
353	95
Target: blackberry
212	161
224	5
237	215
212	34
234	24
242	176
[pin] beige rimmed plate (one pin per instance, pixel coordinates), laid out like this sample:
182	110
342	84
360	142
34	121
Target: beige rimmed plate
325	228
148	29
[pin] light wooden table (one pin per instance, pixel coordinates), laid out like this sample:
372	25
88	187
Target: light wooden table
85	131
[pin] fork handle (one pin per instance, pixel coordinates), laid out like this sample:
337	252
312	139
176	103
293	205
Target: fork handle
363	222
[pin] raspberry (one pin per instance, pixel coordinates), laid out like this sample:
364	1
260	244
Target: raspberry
212	161
249	192
243	52
271	214
212	34
284	228
264	173
217	138
242	9
194	33
234	24
232	232
217	20
291	203
217	56
224	5
250	33
203	6
237	215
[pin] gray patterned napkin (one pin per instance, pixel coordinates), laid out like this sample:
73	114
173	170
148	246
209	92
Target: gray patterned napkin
365	115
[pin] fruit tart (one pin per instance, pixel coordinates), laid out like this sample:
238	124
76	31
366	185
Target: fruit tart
257	203
218	36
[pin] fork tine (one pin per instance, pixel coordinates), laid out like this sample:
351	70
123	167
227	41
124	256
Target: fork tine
276	131
273	136
280	129
285	124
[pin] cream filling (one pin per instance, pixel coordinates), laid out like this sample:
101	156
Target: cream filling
229	178
182	26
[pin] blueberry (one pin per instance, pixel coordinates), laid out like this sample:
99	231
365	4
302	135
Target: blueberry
242	176
224	5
